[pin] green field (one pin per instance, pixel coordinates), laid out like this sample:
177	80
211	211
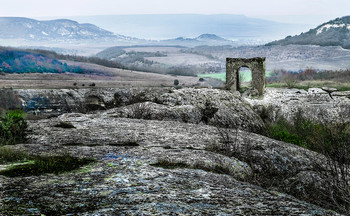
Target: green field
247	76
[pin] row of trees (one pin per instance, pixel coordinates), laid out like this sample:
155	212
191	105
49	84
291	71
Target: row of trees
309	74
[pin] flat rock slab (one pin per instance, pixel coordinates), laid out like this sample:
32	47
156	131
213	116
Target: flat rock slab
124	181
120	184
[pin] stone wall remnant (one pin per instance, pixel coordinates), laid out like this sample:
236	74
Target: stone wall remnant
256	65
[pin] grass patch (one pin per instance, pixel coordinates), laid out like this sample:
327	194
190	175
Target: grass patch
8	155
37	165
222	76
216	168
126	143
65	125
313	84
170	165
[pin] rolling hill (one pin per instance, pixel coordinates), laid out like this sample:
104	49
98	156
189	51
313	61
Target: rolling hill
333	33
15	61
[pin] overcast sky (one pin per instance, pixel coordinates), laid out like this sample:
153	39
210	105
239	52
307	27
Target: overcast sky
319	9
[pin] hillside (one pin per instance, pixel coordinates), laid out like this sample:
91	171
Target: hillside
212	59
333	33
52	30
61	35
15	61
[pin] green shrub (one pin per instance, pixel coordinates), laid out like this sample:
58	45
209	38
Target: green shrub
176	82
13	128
284	131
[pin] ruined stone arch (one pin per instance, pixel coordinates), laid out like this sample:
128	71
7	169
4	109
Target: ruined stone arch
256	66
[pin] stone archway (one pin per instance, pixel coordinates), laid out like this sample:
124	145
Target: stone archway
257	67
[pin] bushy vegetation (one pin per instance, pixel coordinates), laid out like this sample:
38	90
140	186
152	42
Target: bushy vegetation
13	128
332	170
314	136
333	141
294	133
9	100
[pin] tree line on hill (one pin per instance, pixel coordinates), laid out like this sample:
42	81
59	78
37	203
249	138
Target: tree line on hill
14	60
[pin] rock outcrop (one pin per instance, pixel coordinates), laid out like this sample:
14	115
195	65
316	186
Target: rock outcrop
171	152
132	175
315	104
208	106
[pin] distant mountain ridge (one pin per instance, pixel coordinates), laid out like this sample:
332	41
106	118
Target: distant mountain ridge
75	37
203	37
58	30
333	33
167	26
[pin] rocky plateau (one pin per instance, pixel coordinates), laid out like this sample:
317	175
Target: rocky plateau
166	151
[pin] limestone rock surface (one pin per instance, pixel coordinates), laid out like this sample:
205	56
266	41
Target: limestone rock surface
170	152
209	106
126	180
314	104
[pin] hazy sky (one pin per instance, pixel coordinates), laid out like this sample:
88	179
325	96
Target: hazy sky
254	8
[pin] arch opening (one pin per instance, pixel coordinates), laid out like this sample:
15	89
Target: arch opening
244	78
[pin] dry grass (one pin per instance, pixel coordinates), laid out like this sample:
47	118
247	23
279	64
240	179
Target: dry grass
341	86
107	77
